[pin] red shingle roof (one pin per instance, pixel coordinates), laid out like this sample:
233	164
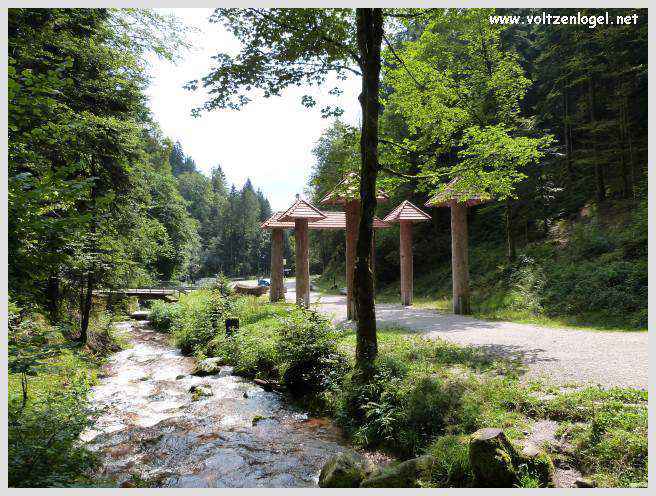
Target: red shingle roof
349	189
406	211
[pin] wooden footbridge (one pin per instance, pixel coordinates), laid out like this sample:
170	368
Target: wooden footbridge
149	293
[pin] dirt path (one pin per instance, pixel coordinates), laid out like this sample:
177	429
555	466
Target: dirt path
559	356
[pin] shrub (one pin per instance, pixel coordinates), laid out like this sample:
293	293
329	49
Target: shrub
47	407
102	336
162	315
252	350
310	360
43	446
201	316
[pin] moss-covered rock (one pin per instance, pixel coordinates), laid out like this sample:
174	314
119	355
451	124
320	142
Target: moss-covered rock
538	464
491	457
496	462
345	469
404	474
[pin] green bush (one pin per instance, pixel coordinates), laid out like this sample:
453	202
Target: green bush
252	350
43	446
201	316
162	315
310	360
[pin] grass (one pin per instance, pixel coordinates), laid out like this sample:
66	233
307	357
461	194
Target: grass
493	308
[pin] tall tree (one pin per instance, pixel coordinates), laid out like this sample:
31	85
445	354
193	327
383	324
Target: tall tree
283	47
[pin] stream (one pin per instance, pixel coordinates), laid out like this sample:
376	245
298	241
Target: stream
150	428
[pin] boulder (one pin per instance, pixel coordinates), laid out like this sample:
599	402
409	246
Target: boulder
496	462
404	474
491	458
209	366
346	469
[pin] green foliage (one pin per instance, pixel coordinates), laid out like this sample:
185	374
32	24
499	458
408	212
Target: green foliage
89	204
310	361
422	389
163	315
281	48
253	350
49	380
197	320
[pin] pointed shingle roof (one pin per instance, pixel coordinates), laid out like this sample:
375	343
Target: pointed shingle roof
407	211
349	189
302	210
333	220
451	193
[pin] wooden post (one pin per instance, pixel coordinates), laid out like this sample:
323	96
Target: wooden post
277	289
406	262
302	263
352	214
460	258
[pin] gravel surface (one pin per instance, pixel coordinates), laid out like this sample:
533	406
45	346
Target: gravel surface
556	355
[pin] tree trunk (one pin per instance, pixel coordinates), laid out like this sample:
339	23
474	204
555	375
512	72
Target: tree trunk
511	252
369	37
566	135
598	167
86	309
276	290
302	263
460	258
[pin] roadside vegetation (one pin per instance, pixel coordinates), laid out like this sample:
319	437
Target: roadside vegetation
425	397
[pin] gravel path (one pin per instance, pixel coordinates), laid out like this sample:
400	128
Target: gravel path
557	355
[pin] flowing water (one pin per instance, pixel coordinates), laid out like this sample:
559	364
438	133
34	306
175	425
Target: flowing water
152	428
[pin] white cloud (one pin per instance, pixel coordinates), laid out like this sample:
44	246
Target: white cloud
269	140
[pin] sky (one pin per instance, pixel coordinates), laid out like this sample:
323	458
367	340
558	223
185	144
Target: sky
269	141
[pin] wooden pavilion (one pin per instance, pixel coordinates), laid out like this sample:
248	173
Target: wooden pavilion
279	221
459	200
406	214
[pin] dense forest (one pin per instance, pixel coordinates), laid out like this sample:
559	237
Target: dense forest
98	196
557	118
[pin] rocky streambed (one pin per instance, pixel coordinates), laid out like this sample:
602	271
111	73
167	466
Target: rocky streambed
160	426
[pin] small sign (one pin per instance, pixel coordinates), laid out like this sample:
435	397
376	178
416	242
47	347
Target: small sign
284	261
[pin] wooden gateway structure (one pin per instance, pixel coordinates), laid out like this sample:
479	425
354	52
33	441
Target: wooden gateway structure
406	214
459	200
314	220
302	216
